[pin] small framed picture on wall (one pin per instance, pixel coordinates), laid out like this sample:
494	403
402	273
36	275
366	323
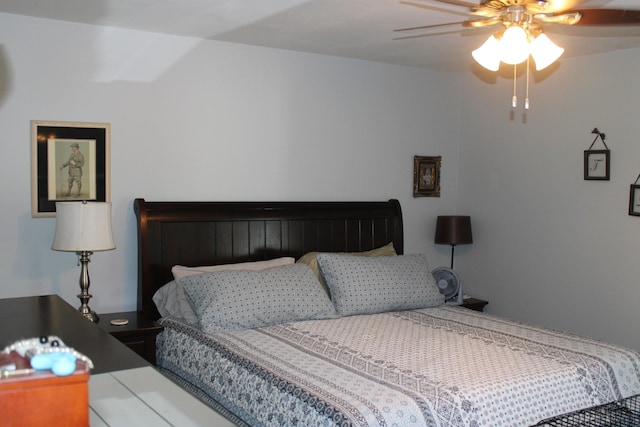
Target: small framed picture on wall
426	176
634	200
596	165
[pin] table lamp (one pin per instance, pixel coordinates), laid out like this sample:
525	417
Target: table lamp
83	228
453	230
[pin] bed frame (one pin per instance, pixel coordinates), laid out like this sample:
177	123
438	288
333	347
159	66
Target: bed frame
210	233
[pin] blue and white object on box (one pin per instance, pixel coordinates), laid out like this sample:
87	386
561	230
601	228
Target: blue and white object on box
60	363
49	353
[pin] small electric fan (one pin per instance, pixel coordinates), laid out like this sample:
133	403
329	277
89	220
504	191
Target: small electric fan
449	283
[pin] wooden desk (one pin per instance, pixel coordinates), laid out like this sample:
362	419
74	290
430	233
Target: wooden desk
30	317
124	389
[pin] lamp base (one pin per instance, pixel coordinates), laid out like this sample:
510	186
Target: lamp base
84	295
90	314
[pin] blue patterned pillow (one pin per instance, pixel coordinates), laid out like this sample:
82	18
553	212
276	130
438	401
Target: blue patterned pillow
232	300
375	285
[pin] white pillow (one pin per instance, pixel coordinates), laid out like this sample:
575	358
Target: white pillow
180	271
171	300
166	299
363	285
233	300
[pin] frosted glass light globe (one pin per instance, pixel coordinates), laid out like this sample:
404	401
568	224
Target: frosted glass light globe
488	55
544	51
514	46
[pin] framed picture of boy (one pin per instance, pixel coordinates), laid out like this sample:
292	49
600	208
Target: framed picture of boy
70	161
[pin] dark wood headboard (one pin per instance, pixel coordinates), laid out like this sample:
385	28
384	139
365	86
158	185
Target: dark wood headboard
211	233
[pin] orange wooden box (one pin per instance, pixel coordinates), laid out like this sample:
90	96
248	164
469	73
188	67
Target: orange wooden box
44	399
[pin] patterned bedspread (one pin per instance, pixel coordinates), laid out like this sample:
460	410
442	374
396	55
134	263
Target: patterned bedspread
445	366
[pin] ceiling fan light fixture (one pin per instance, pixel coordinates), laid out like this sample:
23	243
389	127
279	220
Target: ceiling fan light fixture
544	51
521	37
514	45
488	55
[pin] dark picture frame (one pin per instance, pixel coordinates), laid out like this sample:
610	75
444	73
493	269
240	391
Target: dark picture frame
69	161
426	176
634	200
596	165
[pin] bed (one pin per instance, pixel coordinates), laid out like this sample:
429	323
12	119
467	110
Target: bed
336	348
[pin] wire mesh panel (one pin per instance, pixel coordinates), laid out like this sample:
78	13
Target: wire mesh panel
624	413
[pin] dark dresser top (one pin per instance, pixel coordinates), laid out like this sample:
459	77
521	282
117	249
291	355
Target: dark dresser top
29	317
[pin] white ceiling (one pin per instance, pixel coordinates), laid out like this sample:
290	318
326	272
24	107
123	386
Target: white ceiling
360	29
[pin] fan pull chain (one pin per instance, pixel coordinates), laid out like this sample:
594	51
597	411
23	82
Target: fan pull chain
526	99
514	100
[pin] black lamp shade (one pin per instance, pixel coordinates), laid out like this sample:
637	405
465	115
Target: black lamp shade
453	230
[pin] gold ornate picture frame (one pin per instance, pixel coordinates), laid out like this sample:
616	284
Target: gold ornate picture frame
426	176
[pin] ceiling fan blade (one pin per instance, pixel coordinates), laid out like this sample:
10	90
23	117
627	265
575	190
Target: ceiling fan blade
424	27
473	8
565	18
433	8
552	6
608	17
478	23
459	3
421	35
474	24
416	4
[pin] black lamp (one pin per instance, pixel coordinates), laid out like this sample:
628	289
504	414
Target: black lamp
453	230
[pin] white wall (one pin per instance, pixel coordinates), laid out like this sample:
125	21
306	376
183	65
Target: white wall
550	247
202	120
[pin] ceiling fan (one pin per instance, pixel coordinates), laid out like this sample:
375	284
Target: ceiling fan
520	34
509	12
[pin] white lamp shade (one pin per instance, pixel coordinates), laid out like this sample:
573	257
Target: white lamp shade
514	46
544	51
83	226
488	55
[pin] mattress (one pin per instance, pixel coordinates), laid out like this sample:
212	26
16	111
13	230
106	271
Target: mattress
443	366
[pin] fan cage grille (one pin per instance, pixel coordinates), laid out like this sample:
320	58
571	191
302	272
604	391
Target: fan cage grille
451	278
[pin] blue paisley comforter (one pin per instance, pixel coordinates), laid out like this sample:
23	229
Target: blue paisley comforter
445	366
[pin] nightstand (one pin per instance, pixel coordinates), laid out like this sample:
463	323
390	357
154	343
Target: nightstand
139	334
474	303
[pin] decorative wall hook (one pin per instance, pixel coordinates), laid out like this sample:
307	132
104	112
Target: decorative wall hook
596	162
600	134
